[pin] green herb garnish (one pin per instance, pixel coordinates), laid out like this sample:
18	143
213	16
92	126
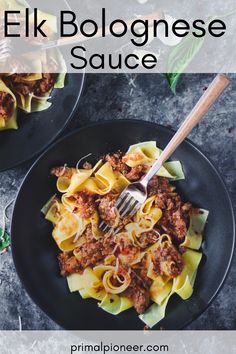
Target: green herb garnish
180	57
182	54
5	240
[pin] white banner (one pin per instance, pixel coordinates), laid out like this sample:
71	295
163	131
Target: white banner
110	342
147	36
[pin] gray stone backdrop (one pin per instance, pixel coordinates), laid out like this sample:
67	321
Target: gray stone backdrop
146	97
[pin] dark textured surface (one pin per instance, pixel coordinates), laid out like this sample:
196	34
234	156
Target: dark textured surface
143	97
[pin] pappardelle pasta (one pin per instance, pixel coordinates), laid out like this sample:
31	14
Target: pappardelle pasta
30	92
147	257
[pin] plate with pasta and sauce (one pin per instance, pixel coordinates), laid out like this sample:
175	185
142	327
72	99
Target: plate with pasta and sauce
155	268
26	131
35	106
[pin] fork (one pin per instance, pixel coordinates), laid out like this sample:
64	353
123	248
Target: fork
133	196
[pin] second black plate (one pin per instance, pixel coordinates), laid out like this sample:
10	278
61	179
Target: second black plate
37	130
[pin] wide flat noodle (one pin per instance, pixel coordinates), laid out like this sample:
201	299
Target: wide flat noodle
172	170
99	180
31	103
181	285
55	212
160	289
65	231
10	124
57	57
24	101
72	184
121	182
149	211
141	154
147	216
64	182
48	204
105	179
85	280
89	286
77	180
155	313
115	304
194	235
39	105
146	153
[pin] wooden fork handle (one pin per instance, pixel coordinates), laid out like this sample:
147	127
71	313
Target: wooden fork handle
209	97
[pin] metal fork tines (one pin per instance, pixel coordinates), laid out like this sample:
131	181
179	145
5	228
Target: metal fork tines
128	203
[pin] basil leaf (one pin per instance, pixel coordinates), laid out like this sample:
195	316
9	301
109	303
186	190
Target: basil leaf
182	54
5	240
173	79
180	57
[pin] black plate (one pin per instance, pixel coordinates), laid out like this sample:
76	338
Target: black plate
37	130
35	253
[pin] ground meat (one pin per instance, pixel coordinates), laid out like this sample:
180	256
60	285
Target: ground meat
68	264
93	251
121	247
141	299
124	221
24	88
107	209
137	172
176	213
178	223
38	87
90	253
176	216
116	162
148	238
109	245
167	260
87	165
6	104
88	233
61	171
138	292
125	249
85	203
45	84
159	185
160	200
